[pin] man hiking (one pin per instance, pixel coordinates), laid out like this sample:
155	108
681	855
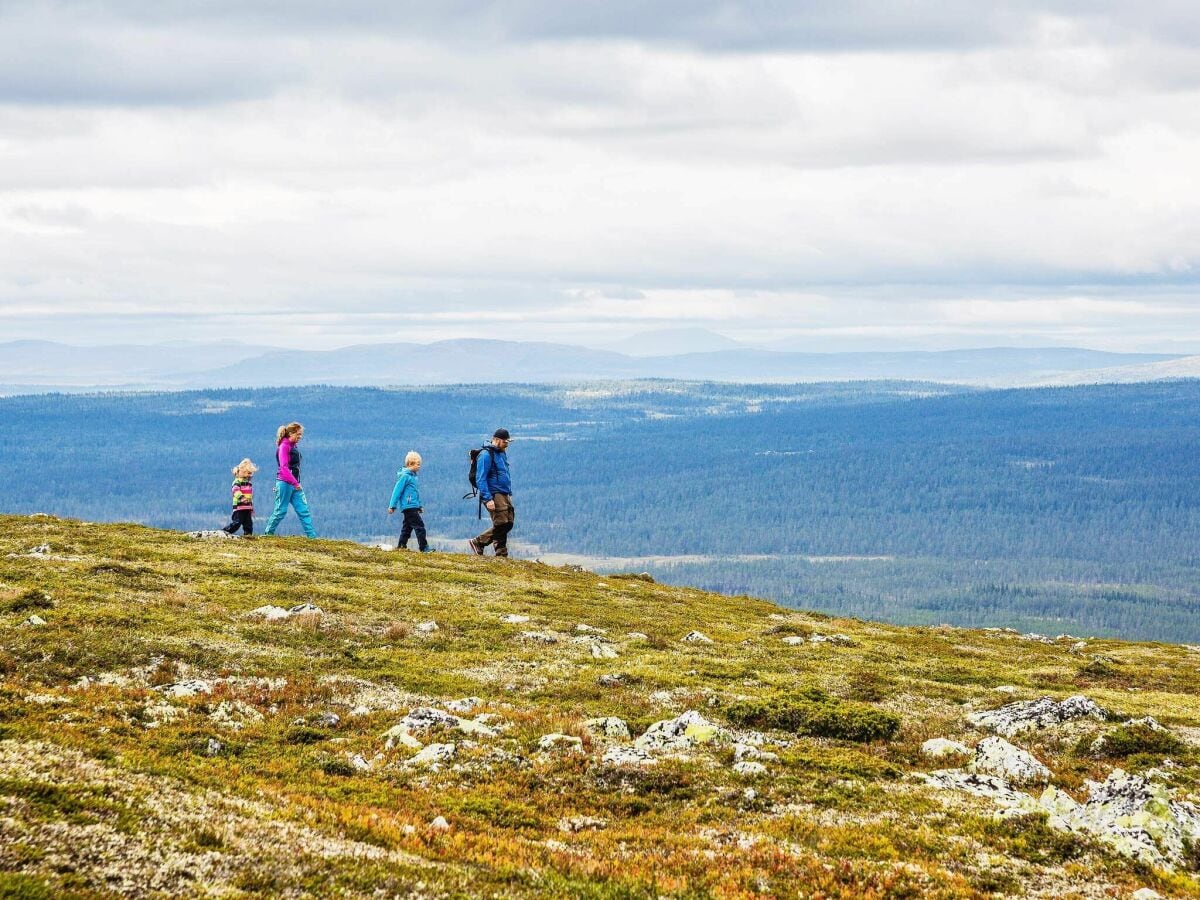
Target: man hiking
495	492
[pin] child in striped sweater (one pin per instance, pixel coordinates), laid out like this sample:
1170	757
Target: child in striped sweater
243	498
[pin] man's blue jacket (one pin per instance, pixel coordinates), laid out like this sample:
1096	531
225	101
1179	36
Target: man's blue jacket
491	473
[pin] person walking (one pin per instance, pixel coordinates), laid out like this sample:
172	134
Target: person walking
243	499
407	495
288	490
495	491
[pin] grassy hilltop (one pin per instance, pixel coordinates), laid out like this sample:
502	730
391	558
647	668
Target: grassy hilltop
158	740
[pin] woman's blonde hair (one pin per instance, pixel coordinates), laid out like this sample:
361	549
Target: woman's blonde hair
412	457
247	464
287	431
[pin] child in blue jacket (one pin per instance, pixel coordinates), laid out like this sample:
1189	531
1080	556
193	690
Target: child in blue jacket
406	496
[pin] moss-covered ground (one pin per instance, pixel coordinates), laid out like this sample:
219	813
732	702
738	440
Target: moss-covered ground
109	786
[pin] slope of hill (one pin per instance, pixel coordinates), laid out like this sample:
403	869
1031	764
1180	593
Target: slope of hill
1160	370
438	725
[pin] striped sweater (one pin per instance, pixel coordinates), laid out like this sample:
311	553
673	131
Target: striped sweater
243	494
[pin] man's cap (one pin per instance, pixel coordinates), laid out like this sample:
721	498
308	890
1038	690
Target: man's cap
501	434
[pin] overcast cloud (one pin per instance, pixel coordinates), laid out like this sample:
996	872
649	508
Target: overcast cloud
854	174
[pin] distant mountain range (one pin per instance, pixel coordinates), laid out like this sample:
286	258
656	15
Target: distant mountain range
42	365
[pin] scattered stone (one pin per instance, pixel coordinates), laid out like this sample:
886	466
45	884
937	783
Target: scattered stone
359	764
1145	894
270	613
1045	712
1038	638
156	714
514	619
575	824
608	727
557	742
399	735
217	535
793	640
603	651
664	698
328	720
1005	689
588	629
627	756
749	768
34	621
426	627
996	756
978	785
839	639
1078	647
540	637
637	636
189	688
235	715
680	734
938	748
306	609
426	717
433	756
439	824
696	637
41	551
1147	722
611	680
464	705
214	748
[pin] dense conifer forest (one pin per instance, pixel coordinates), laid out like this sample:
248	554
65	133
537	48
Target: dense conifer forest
1074	509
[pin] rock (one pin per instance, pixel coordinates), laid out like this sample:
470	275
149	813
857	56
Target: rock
41	550
840	639
269	613
1045	712
426	717
749	768
1038	638
439	824
464	705
156	714
696	637
539	637
235	714
978	785
562	743
611	680
1078	647
1145	894
996	756
514	619
306	609
189	688
793	640
680	734
426	627
665	698
1146	722
1005	689
210	535
637	636
359	764
603	651
575	824
433	756
627	756
328	720
399	735
588	629
214	748
34	621
609	727
938	748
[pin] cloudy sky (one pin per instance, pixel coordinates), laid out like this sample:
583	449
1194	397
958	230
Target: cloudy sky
852	174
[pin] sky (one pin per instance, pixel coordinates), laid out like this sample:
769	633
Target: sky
852	175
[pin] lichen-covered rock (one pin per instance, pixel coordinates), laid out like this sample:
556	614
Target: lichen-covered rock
398	735
439	824
426	627
539	637
749	767
680	734
938	748
235	715
217	535
1027	715
425	717
464	704
996	756
840	639
560	743
433	756
269	613
696	637
979	785
627	756
514	619
34	621
603	651
575	824
793	640
306	609
609	727
190	688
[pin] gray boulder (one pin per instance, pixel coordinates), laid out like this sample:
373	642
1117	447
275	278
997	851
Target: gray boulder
1029	715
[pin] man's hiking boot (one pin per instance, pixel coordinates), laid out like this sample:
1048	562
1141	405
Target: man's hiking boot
475	548
429	550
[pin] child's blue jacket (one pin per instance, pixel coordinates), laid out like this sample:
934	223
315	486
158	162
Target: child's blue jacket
407	493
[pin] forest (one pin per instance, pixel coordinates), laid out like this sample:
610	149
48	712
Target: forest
1054	509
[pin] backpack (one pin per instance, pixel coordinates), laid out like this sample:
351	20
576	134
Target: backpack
473	472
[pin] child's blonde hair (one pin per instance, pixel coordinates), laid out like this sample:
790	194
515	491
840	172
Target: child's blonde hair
247	465
412	457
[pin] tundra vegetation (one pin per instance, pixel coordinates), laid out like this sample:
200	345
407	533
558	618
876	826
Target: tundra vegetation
187	717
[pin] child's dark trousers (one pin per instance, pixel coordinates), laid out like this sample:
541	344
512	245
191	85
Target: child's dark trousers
243	519
413	522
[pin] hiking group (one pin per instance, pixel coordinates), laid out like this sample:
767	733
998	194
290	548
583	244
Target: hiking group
491	483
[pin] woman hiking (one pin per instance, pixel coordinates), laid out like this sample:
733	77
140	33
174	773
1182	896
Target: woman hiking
288	490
